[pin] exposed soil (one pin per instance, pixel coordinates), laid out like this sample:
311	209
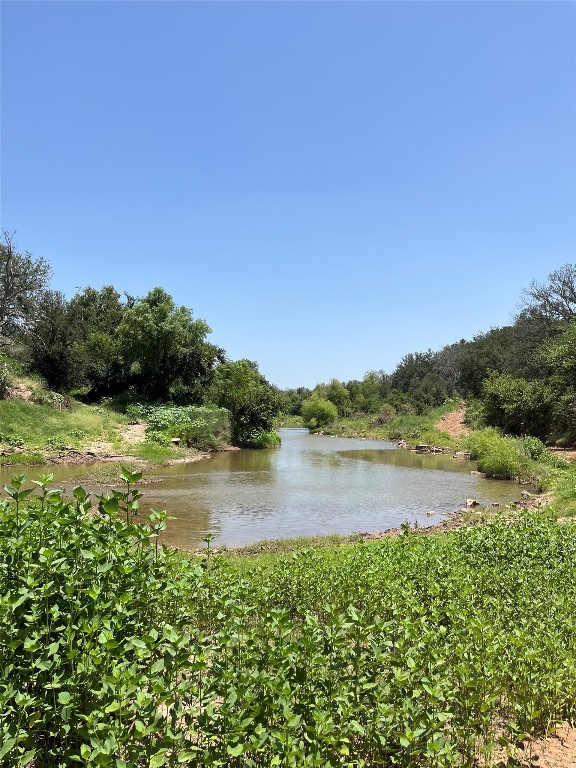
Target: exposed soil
555	751
453	423
21	393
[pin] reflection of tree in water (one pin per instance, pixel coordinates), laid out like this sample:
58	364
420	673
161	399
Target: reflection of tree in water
257	460
409	459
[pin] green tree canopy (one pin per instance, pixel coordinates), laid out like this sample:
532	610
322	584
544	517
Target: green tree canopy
252	401
23	279
318	412
165	349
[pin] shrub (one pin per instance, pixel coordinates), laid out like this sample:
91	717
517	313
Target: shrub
385	415
202	427
260	438
318	412
518	406
534	448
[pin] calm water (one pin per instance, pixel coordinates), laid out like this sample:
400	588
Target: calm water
311	485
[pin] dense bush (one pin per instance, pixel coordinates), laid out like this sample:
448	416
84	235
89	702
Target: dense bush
253	403
317	412
518	406
203	427
414	652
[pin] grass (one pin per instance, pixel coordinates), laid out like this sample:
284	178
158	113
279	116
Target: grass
410	427
507	457
106	474
42	426
22	459
563	486
154	453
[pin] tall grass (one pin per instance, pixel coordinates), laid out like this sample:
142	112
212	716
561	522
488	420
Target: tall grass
503	456
414	428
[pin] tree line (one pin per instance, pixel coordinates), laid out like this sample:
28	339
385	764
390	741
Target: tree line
522	376
101	343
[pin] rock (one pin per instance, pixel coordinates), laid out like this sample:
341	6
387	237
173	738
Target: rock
472	503
475	473
430	514
495	503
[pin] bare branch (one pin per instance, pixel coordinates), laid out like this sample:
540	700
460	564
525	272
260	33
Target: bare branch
554	300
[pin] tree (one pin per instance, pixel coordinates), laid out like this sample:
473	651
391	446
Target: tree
165	349
293	399
337	393
252	401
518	406
74	344
98	315
554	300
22	282
318	412
51	343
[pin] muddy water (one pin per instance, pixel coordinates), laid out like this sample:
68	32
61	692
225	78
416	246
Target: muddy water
311	485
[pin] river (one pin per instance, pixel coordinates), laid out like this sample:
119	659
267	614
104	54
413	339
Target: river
311	485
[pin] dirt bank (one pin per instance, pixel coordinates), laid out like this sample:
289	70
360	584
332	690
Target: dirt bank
453	423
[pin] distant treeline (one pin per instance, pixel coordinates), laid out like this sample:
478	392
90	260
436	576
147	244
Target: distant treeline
523	376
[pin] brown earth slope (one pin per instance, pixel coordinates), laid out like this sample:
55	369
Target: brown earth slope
453	423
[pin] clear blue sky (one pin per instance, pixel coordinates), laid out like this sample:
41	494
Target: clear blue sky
330	185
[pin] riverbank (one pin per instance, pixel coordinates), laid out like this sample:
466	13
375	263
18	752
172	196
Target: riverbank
35	434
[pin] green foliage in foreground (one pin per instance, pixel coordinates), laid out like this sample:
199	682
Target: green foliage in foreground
406	652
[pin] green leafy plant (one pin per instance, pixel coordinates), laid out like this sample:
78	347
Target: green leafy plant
410	651
203	427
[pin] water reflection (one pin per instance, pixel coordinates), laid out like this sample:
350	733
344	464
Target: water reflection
311	485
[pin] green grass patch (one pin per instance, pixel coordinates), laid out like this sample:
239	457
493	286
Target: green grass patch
22	459
154	453
43	426
563	486
414	428
507	457
106	474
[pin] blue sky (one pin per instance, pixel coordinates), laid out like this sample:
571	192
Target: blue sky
330	185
